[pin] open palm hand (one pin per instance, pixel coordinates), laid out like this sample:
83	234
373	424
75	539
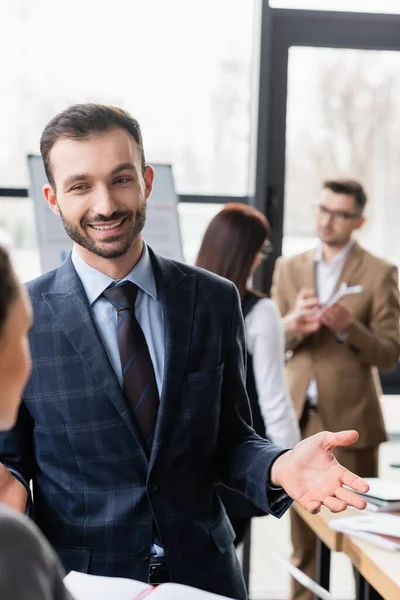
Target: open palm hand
311	475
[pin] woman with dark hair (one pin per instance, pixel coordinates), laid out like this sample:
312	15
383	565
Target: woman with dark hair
28	566
233	246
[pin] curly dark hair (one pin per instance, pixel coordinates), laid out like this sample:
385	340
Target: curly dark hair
8	287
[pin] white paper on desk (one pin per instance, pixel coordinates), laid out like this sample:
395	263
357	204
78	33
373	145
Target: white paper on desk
96	587
175	591
381	524
372	528
304	579
383	489
375	539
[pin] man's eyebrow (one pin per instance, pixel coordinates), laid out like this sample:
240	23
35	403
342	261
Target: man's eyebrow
74	178
126	166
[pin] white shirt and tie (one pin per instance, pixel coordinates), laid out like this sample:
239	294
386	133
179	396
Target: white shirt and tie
326	277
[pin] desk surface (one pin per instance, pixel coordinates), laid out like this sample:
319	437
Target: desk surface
320	525
381	568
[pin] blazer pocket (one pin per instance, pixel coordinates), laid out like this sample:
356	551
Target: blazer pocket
207	376
74	558
222	534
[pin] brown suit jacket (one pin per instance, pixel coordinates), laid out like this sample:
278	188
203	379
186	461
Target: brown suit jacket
346	373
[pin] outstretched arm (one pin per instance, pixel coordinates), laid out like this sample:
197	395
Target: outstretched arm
311	475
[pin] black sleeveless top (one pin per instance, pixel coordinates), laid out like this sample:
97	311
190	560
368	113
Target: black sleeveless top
250	299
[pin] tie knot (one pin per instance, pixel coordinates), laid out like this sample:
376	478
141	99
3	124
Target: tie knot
122	296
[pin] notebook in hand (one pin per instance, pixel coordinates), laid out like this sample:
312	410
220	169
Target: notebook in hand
95	587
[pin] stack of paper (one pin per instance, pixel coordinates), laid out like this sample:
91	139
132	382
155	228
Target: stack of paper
94	587
383	495
382	529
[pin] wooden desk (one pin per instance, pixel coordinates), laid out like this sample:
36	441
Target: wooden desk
328	540
320	525
380	568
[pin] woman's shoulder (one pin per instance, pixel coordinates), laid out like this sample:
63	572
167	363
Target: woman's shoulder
29	567
264	306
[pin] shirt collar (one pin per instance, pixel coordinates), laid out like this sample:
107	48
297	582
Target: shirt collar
95	282
340	257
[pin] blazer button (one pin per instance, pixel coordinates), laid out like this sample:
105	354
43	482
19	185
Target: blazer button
143	555
152	487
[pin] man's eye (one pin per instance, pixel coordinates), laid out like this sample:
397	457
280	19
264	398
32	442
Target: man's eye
123	180
79	187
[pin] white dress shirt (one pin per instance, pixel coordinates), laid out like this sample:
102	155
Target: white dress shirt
326	278
265	344
148	310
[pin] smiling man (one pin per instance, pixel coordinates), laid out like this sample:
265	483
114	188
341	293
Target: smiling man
137	405
332	370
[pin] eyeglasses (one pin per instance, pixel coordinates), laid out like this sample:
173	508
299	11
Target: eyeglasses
266	250
338	215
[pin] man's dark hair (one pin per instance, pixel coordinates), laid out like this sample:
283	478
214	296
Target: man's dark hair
82	121
350	187
8	287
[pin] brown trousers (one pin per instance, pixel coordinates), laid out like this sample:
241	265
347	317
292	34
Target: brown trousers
363	462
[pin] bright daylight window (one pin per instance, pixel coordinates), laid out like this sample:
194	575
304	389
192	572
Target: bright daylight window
183	69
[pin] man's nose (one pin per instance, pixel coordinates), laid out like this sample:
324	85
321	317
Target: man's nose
104	202
326	218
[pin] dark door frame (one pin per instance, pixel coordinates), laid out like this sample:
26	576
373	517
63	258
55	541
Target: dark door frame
281	29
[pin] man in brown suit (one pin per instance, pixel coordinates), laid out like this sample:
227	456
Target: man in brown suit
334	352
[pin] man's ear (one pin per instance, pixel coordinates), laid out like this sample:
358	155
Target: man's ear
148	177
51	198
361	222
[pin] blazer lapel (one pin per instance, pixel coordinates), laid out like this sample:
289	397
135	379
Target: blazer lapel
307	271
176	291
350	267
68	303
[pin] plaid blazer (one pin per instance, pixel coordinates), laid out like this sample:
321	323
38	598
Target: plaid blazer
95	493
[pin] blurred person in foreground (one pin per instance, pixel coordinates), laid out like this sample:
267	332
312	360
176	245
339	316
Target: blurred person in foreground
137	405
29	568
332	370
234	245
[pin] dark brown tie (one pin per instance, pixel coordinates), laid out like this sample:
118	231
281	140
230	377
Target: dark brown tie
139	382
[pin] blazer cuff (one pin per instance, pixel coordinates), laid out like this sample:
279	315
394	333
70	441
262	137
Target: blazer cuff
359	337
278	499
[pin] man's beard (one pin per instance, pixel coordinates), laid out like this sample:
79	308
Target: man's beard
114	246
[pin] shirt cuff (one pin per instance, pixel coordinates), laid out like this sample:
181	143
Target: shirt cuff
29	503
342	337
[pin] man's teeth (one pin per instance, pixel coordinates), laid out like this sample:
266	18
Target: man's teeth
107	227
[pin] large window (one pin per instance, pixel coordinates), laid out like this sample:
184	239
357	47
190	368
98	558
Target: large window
182	68
343	120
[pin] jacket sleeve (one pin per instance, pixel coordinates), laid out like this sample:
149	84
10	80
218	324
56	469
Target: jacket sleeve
243	458
379	343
